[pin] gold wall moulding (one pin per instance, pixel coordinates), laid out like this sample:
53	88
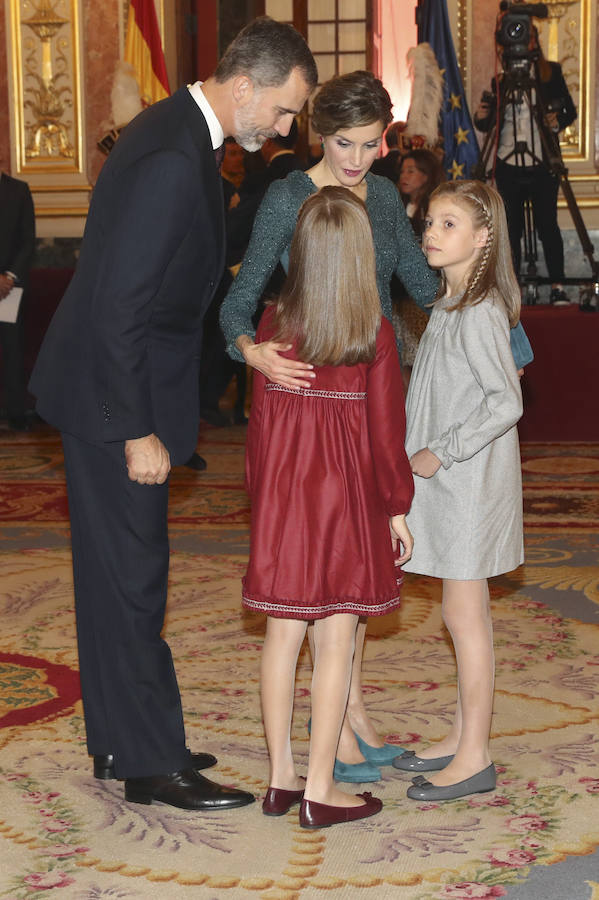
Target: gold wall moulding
592	177
61	188
61	212
567	36
46	85
582	203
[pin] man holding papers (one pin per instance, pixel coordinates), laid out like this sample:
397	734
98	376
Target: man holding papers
17	245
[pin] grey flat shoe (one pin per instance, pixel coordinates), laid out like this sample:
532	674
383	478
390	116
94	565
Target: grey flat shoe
476	784
409	762
419	779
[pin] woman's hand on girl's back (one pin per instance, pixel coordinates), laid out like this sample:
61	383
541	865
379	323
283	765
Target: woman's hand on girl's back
266	357
425	463
401	532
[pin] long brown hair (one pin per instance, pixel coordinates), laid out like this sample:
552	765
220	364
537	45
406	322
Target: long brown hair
493	270
330	305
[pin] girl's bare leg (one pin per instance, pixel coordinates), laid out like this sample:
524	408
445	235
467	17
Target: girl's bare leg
282	644
356	718
334	639
447	746
359	719
467	615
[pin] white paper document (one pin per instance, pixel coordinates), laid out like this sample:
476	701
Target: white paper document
9	307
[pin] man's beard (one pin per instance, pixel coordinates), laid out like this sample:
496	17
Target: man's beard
246	134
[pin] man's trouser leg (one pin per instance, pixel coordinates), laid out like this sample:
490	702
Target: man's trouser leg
120	564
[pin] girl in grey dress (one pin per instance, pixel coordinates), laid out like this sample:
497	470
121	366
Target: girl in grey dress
462	407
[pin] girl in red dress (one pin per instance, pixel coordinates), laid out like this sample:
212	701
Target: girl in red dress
330	485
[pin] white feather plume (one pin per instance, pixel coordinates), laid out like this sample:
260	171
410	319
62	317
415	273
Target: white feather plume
126	102
427	94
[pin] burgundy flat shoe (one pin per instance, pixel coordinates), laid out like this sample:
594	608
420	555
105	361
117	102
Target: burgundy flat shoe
278	801
319	815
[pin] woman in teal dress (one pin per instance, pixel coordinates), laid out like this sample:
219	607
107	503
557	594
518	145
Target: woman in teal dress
350	113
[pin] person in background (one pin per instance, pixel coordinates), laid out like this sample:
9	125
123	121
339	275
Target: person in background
522	168
17	246
280	158
398	145
233	165
420	172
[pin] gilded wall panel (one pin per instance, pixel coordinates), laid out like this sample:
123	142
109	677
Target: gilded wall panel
46	86
567	36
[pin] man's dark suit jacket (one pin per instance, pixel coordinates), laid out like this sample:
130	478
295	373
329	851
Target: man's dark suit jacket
280	166
388	165
240	219
121	357
17	228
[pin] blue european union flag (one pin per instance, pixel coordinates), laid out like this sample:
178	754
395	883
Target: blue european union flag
461	148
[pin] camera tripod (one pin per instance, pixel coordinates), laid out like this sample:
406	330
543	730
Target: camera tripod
517	87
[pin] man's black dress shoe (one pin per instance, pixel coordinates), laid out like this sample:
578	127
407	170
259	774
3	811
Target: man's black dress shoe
187	790
104	765
196	462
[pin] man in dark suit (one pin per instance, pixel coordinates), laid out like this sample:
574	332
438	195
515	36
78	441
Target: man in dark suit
118	374
398	146
17	245
280	158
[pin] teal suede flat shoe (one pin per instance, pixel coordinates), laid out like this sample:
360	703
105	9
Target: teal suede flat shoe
355	773
379	756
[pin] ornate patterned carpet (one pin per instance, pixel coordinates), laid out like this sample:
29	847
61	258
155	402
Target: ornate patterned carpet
65	834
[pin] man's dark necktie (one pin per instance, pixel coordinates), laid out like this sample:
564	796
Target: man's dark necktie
219	154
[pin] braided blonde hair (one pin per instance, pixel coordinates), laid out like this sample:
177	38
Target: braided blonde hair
493	270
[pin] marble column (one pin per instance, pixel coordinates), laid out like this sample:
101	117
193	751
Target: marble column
101	54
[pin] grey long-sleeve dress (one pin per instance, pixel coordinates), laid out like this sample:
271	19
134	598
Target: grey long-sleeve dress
463	403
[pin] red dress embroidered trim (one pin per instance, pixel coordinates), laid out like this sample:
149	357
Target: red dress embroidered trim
308	392
285	611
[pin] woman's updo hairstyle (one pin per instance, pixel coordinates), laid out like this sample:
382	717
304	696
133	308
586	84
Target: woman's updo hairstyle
350	101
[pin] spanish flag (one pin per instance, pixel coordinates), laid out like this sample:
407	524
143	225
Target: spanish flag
143	49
